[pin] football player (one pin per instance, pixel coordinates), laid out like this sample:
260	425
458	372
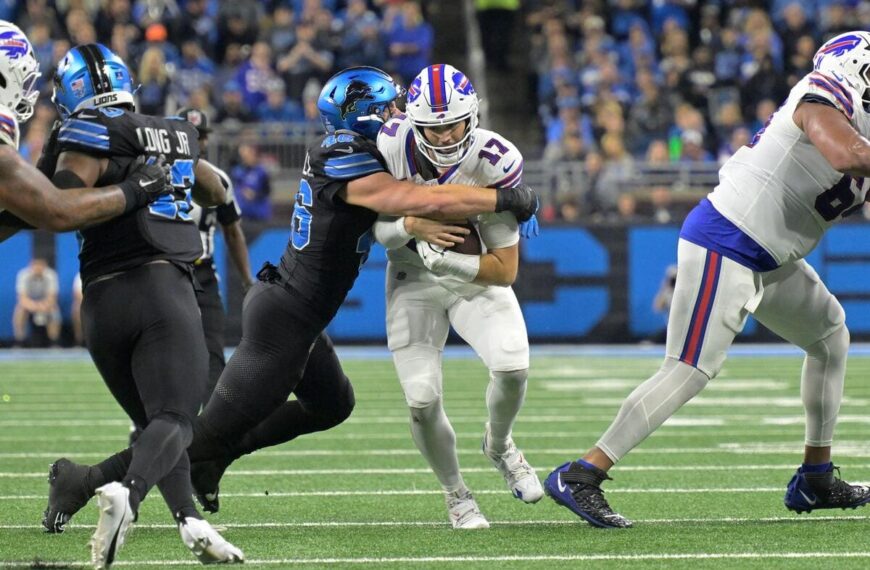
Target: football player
25	194
438	142
741	251
228	215
139	313
284	349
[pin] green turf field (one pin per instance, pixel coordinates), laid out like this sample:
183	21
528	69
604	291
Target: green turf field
705	491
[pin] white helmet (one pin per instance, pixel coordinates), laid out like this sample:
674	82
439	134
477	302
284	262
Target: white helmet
19	71
442	95
847	59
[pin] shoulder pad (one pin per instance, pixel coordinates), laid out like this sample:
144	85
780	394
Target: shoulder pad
828	88
501	163
344	156
84	130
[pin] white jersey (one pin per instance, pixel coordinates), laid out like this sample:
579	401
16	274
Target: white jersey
780	190
492	161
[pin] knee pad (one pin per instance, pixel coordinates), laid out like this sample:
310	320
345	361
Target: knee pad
513	378
835	346
180	421
420	391
423	414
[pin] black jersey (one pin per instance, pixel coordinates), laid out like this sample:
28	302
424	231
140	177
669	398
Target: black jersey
330	238
164	229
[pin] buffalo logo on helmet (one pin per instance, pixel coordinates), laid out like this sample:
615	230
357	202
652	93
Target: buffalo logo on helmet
842	45
13	44
414	90
356	91
462	84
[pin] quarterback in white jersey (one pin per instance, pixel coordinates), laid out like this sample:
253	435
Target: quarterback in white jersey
431	287
27	197
741	252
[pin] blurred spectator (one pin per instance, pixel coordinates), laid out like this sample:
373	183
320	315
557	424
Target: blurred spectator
36	286
252	185
237	24
279	109
361	42
693	147
307	58
660	198
410	42
650	116
282	36
196	24
496	20
196	71
232	111
739	137
154	79
255	74
626	208
156	36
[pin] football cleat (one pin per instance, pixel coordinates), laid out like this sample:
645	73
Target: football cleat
68	493
206	477
116	518
206	544
520	477
809	491
578	488
464	512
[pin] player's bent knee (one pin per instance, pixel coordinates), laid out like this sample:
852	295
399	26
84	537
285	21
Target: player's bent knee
511	378
832	348
180	421
424	414
420	393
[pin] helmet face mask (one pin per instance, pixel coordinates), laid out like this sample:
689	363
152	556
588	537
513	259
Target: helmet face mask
445	155
847	59
91	76
358	99
19	71
442	95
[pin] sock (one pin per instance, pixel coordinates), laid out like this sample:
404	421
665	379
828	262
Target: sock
177	491
504	398
820	468
111	469
436	440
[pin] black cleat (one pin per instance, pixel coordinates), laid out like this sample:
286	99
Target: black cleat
578	488
206	477
809	491
68	493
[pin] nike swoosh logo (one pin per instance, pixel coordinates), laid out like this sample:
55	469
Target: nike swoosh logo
344	150
507	168
144	184
807	499
562	486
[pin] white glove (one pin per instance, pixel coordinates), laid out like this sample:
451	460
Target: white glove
445	262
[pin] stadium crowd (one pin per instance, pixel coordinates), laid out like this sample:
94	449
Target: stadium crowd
627	84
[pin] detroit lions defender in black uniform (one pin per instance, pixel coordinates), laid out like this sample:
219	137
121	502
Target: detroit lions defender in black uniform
345	185
139	311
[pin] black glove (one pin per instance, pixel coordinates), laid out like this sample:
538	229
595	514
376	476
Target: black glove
47	162
521	200
146	182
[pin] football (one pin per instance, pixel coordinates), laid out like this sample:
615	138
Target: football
472	244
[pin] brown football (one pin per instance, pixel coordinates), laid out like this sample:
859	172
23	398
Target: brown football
472	245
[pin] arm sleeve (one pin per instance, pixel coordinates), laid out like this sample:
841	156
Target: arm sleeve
498	230
390	232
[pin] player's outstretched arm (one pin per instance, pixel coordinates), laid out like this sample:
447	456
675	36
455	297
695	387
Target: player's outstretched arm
384	194
499	267
237	245
835	137
28	194
208	190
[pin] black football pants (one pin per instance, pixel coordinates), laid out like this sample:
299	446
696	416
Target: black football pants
213	321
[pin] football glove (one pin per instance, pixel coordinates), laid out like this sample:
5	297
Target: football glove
145	182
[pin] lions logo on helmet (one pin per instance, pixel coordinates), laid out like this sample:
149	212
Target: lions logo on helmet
442	95
91	76
19	71
357	99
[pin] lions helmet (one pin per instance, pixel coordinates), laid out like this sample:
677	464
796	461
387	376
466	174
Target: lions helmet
847	59
356	99
442	95
19	71
91	76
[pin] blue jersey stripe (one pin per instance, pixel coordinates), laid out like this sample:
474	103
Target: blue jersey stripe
82	140
72	131
355	173
95	128
352	159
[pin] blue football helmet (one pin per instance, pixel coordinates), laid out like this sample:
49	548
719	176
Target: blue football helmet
355	99
91	76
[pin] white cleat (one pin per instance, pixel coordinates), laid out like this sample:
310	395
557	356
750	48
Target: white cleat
206	544
464	512
116	518
520	477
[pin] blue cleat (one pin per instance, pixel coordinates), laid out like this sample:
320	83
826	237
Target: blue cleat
578	488
809	491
